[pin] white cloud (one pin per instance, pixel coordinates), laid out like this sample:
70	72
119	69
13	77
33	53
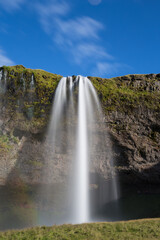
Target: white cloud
95	2
78	36
49	11
109	68
79	28
10	5
54	7
106	68
91	52
4	60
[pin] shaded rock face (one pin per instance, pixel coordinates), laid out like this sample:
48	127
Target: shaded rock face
136	145
148	82
132	127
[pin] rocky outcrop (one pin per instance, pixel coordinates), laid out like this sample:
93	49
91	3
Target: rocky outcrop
132	107
132	114
135	141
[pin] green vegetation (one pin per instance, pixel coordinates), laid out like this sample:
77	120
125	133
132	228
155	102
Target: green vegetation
128	92
141	229
121	93
29	95
4	144
30	101
46	82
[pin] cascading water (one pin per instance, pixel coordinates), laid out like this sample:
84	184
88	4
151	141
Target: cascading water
1	74
58	107
32	82
81	211
72	133
3	81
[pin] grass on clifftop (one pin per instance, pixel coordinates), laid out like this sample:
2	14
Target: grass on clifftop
46	82
126	93
120	93
29	94
131	230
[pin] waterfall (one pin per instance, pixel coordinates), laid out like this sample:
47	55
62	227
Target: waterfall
81	201
1	74
76	116
3	81
57	113
32	85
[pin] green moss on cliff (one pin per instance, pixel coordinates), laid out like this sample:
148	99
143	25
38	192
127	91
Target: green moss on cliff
46	85
29	94
45	82
128	92
6	144
121	93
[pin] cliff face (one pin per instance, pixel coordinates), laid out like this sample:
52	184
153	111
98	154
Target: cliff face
132	113
132	107
25	104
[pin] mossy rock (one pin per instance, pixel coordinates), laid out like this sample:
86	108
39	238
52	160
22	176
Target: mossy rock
29	93
128	92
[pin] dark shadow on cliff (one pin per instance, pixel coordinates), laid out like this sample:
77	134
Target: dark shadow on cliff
138	199
18	198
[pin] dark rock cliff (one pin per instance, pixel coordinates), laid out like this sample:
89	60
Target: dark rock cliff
132	107
132	114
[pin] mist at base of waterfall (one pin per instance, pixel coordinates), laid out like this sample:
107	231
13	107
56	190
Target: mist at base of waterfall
27	208
76	148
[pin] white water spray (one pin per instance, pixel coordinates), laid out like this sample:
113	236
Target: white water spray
77	131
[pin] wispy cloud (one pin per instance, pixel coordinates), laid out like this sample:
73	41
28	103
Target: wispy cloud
79	28
10	5
109	69
95	2
49	11
4	60
90	51
79	36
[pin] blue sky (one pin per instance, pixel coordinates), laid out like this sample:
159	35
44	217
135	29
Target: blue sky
89	37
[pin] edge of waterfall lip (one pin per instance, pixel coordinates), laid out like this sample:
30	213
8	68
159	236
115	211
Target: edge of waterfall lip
79	75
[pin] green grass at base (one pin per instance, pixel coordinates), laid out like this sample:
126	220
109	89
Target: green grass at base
140	229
